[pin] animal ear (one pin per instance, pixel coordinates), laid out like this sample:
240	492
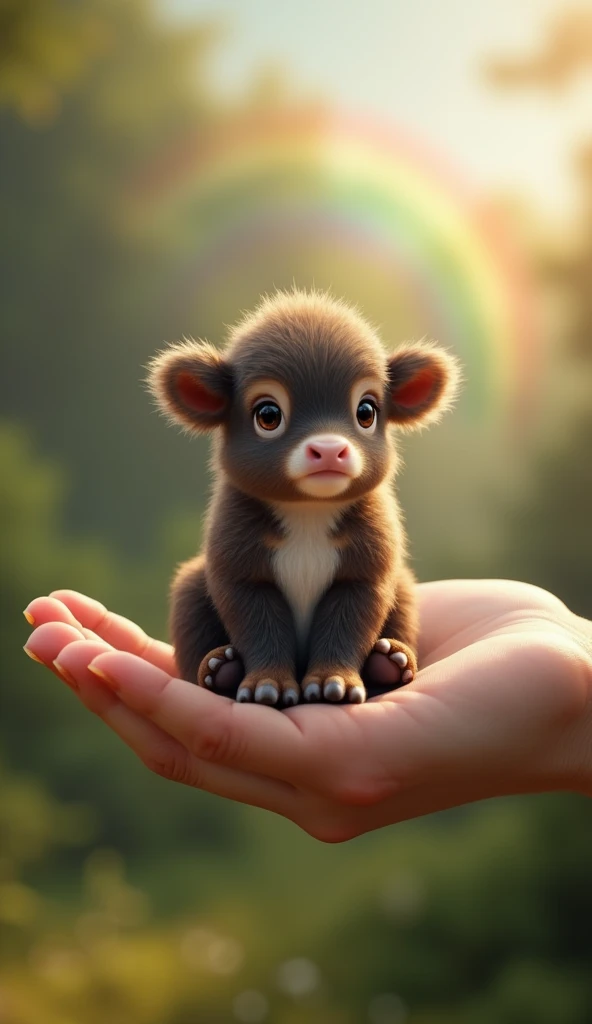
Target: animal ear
192	385
423	383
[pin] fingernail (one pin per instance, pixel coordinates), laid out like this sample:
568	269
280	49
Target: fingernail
102	675
33	656
30	618
65	675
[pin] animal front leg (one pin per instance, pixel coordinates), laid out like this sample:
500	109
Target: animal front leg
344	629
198	634
261	625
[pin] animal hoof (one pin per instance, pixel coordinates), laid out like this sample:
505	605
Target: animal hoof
312	692
267	692
334	689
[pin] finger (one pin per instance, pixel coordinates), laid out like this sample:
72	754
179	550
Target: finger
46	642
119	632
43	610
160	752
49	609
245	736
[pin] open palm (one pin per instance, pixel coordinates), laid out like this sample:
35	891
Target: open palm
500	705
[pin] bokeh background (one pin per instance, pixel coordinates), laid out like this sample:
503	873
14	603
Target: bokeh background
161	166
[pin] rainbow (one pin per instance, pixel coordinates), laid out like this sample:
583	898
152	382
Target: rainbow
284	177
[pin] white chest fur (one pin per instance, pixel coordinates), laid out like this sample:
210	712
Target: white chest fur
307	560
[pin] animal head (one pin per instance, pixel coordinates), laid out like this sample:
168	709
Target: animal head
302	398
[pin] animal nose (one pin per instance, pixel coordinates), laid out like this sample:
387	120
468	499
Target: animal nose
328	453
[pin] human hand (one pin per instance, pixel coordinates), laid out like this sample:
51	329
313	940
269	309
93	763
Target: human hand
502	705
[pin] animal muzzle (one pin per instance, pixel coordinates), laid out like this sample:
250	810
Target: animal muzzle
329	453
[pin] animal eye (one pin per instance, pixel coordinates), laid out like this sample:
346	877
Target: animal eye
268	416
366	413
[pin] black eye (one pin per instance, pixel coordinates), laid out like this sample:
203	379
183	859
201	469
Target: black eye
366	413
268	416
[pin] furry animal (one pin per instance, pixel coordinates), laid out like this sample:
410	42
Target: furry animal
303	590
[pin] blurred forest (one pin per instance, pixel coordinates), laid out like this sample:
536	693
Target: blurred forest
124	897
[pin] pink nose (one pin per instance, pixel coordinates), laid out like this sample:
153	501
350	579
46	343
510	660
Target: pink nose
328	453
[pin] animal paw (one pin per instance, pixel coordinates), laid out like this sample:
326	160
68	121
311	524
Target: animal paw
338	686
221	671
269	687
390	664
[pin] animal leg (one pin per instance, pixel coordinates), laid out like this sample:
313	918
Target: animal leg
198	635
393	660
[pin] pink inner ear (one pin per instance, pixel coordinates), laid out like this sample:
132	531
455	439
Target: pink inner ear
417	390
194	394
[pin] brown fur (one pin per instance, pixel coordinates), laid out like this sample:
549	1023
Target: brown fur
318	353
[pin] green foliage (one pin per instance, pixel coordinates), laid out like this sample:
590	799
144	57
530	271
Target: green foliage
549	539
103	957
485	921
45	47
471	918
42	728
82	299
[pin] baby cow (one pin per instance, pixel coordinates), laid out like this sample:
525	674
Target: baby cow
303	588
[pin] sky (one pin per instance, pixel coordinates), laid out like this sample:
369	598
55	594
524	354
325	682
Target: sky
416	64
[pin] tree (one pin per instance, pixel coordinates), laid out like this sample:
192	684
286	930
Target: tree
551	536
45	47
43	730
84	301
